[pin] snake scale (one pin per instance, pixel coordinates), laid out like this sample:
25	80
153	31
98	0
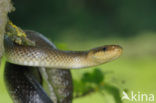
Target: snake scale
28	66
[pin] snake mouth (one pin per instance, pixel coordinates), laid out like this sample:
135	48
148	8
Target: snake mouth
116	48
117	51
113	52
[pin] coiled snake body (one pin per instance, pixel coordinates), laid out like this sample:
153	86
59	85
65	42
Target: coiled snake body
29	65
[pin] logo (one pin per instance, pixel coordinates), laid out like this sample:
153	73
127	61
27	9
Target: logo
139	97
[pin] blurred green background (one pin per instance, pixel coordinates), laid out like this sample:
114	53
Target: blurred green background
84	24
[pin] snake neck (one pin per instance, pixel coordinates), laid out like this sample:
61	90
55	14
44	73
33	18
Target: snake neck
74	59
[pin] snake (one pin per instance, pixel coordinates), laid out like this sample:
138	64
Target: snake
28	66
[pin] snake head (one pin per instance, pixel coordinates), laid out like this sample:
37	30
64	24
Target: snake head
105	53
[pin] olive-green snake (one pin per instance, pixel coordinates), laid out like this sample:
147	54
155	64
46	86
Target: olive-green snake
45	55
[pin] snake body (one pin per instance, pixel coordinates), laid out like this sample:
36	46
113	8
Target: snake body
53	62
44	55
23	85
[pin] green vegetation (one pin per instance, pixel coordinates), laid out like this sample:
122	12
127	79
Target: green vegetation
84	24
134	71
124	74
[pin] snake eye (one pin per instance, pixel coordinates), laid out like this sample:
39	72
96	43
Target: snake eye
104	49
